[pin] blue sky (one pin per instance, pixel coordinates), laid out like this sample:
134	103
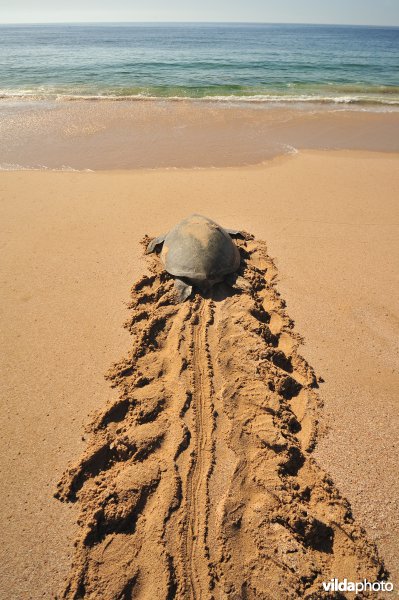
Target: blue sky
370	12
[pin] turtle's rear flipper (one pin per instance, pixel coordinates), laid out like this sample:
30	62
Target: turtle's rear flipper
155	242
183	289
237	282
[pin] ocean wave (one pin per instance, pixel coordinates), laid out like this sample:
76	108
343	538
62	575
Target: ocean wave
384	99
256	98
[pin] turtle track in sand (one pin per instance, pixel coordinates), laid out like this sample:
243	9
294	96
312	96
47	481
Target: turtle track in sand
198	481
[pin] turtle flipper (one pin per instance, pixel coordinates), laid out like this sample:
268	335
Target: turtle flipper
237	282
234	232
155	242
183	289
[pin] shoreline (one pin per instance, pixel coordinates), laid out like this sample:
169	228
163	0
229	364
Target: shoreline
299	101
107	135
72	253
267	163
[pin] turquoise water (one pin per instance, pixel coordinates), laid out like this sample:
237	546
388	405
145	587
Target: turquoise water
257	63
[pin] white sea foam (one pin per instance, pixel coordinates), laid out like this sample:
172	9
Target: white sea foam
366	101
289	149
63	168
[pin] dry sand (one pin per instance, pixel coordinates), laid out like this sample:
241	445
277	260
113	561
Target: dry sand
201	470
70	255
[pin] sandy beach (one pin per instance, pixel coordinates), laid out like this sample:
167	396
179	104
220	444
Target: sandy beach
71	253
102	134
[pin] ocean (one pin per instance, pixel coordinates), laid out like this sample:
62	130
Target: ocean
258	63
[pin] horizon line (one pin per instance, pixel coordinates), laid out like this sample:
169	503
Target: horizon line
196	23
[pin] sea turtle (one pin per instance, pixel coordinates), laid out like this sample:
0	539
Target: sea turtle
198	252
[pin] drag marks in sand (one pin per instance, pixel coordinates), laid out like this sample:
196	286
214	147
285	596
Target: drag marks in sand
198	481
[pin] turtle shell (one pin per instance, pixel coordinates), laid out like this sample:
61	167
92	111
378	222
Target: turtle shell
198	248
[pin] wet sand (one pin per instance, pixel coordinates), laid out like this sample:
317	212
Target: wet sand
72	254
104	134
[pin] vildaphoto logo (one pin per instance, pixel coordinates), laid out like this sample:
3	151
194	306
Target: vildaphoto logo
335	585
